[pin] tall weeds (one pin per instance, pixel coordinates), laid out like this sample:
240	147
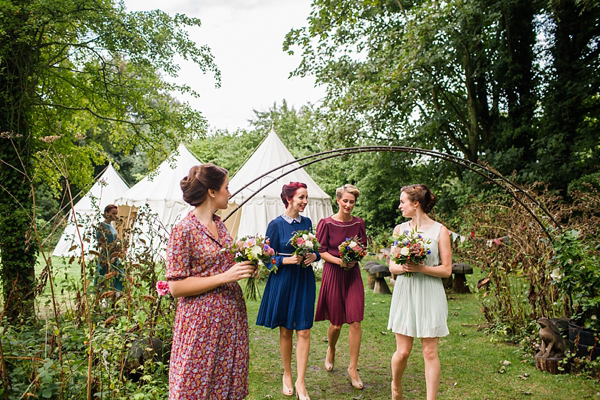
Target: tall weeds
518	287
81	340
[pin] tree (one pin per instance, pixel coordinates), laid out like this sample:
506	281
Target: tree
568	146
68	68
465	76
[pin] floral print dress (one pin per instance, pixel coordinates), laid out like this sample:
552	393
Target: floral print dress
209	356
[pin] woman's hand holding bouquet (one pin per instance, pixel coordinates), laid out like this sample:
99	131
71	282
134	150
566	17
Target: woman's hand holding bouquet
351	251
255	249
304	243
409	247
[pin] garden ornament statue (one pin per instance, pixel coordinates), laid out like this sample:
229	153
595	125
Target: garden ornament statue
551	356
553	344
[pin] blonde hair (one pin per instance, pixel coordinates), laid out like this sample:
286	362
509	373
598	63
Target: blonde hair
347	188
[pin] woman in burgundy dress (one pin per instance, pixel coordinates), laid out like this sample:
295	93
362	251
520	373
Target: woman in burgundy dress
342	295
209	356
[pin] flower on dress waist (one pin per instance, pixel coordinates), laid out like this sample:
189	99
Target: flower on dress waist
162	287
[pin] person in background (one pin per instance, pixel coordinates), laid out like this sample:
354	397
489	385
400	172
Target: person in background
109	249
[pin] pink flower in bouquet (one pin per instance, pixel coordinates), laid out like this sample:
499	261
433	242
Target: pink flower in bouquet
300	241
162	287
416	249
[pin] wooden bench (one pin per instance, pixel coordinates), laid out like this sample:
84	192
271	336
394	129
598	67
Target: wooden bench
371	280
459	281
378	272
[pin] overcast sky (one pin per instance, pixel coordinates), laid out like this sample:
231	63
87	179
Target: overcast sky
246	38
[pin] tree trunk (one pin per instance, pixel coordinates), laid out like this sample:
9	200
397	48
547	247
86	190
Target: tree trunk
17	239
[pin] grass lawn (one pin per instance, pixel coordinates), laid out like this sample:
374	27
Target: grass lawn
471	361
63	273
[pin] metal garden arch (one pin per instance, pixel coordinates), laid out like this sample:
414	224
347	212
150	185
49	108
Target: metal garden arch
520	195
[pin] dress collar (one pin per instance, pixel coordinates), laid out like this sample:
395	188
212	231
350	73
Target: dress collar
291	220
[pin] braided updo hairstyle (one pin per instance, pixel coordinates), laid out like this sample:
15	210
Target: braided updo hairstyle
288	191
422	194
201	178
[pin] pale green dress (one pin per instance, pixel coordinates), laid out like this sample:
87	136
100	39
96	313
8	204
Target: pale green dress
419	308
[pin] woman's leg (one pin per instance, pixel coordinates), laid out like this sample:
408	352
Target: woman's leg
285	347
302	350
354	337
432	366
399	360
333	334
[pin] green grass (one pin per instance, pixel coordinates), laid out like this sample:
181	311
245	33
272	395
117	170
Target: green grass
470	359
63	274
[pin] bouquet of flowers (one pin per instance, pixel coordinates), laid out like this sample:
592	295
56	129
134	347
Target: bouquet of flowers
255	249
409	246
304	243
351	250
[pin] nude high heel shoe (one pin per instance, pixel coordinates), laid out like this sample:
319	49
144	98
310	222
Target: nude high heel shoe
286	390
356	383
329	364
300	395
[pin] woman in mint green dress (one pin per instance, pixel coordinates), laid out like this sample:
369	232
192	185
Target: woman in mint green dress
419	308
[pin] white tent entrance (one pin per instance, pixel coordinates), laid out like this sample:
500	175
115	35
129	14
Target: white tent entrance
161	192
255	215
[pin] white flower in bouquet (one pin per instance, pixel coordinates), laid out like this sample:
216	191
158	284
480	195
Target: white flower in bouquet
256	251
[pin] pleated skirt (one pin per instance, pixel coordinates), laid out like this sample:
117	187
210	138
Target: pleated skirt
342	295
288	299
419	307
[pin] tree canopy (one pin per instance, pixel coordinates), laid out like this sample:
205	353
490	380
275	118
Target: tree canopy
75	69
501	81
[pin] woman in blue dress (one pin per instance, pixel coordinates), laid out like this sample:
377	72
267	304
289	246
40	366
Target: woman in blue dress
289	298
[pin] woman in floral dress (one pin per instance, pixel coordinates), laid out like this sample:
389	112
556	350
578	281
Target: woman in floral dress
209	356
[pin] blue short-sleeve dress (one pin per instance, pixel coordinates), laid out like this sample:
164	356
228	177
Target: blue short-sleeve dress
289	297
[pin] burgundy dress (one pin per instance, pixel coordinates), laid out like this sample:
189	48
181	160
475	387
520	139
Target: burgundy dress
209	356
342	295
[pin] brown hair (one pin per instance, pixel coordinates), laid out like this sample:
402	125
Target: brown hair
347	188
288	191
201	178
422	194
110	207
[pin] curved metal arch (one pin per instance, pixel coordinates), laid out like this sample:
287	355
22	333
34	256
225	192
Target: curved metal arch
479	169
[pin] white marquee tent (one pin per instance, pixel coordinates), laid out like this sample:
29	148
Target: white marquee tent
108	187
161	190
255	215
